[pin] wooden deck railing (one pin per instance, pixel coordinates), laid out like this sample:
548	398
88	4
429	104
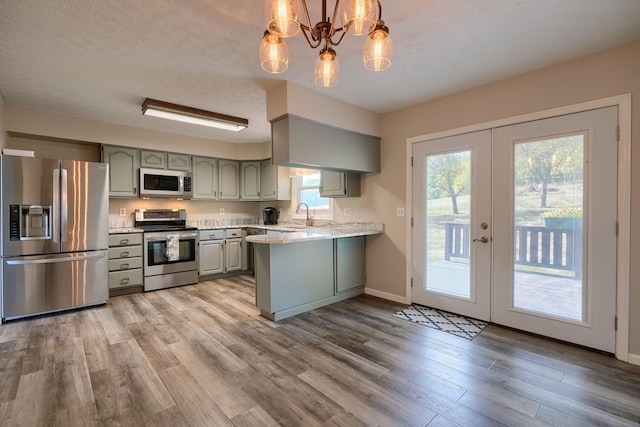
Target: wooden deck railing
534	246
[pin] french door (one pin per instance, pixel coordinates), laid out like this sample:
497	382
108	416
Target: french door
516	225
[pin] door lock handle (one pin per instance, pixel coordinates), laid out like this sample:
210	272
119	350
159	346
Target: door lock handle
483	239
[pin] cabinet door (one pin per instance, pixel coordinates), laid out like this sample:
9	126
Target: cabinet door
123	170
332	184
205	178
233	252
349	253
211	257
153	159
268	180
228	180
179	162
250	181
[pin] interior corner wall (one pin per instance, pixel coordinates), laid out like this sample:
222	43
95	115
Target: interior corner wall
3	123
604	74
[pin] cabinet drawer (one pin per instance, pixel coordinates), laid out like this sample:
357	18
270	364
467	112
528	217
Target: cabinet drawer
125	252
210	235
125	264
231	233
120	279
125	239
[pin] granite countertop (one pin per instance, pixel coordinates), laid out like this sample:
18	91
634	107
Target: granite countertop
124	230
300	234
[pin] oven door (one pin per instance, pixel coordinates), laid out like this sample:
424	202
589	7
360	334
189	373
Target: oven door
156	259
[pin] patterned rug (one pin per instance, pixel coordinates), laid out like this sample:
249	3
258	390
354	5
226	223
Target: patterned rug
461	326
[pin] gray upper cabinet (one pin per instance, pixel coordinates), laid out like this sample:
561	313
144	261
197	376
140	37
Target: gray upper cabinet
123	170
275	183
339	184
228	179
179	162
153	159
250	180
296	141
205	178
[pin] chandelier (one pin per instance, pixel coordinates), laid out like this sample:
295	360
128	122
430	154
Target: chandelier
359	17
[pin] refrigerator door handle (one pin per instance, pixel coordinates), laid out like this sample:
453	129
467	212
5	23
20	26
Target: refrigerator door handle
63	206
55	215
45	260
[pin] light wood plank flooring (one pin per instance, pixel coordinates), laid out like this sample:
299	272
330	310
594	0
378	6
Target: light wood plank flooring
202	356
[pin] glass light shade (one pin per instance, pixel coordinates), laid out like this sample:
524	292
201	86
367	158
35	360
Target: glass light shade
326	70
378	50
360	15
281	17
274	54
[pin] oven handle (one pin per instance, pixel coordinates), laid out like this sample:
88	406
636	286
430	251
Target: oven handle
150	237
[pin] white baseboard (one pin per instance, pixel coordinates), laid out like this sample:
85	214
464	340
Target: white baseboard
385	295
634	358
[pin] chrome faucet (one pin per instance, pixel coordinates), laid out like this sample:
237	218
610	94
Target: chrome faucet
308	221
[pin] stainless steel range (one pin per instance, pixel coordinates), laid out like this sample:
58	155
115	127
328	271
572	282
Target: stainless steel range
170	248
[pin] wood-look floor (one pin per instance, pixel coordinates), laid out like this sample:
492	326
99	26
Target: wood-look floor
202	356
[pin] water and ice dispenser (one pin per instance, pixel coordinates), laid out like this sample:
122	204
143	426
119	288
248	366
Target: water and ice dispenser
29	222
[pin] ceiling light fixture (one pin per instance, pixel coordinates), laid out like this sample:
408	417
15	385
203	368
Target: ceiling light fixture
180	113
359	17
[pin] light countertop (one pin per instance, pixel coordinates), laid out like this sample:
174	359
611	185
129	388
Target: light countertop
125	230
299	234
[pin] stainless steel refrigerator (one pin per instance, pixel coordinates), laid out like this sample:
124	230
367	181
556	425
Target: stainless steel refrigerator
55	237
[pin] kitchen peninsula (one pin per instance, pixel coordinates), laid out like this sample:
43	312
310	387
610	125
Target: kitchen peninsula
298	270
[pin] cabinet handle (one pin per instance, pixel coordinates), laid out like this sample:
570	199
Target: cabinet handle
124	281
124	241
124	254
123	266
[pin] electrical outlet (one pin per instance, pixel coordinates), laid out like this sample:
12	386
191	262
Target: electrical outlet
346	212
123	212
399	211
221	211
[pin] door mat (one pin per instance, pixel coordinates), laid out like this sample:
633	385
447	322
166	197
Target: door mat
461	326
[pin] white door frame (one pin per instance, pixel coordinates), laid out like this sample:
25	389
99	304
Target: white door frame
623	102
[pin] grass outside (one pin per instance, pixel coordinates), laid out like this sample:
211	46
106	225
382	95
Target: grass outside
528	212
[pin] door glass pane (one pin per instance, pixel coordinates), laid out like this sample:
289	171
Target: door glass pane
447	214
548	222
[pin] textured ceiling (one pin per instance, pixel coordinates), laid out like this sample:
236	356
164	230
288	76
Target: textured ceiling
99	59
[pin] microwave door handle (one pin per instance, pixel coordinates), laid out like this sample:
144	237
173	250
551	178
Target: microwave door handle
55	215
63	205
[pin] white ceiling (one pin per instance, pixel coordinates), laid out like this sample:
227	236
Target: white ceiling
99	59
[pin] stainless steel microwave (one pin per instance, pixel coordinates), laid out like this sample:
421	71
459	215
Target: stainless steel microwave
165	183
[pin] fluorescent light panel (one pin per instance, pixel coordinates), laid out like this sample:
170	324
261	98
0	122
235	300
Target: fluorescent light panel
180	113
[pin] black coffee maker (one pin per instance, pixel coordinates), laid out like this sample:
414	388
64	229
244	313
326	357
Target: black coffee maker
270	216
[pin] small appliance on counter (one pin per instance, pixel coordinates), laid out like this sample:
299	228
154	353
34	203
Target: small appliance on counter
270	216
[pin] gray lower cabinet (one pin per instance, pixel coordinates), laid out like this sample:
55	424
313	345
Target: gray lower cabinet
298	277
228	179
205	178
211	252
123	170
349	253
221	251
125	260
339	184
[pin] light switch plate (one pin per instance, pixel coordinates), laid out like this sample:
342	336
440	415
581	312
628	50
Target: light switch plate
399	211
